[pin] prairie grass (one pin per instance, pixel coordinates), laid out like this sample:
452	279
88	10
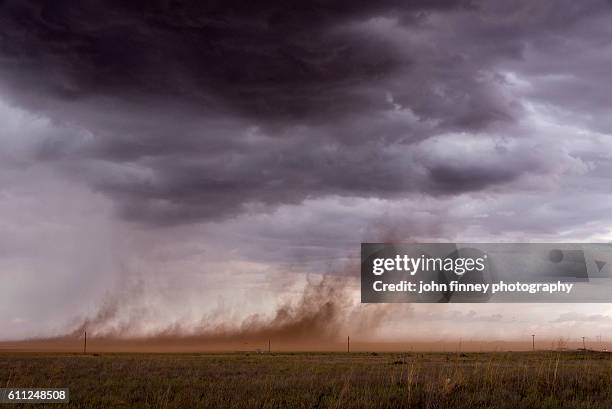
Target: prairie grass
324	380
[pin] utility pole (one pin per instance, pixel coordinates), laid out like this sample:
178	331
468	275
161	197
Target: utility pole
348	344
533	342
583	344
599	342
85	344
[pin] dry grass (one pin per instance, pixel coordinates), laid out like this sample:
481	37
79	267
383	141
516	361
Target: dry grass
479	380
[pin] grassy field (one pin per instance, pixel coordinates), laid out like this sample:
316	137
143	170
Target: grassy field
334	380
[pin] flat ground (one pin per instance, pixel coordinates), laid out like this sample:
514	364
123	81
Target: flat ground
303	380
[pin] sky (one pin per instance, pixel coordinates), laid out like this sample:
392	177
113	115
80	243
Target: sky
196	165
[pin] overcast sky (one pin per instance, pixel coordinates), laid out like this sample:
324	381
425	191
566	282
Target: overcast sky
186	158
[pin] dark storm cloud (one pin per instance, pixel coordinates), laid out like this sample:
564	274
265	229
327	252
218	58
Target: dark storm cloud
272	59
198	111
449	178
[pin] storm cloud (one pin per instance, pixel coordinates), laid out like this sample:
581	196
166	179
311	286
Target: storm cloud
204	139
185	111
